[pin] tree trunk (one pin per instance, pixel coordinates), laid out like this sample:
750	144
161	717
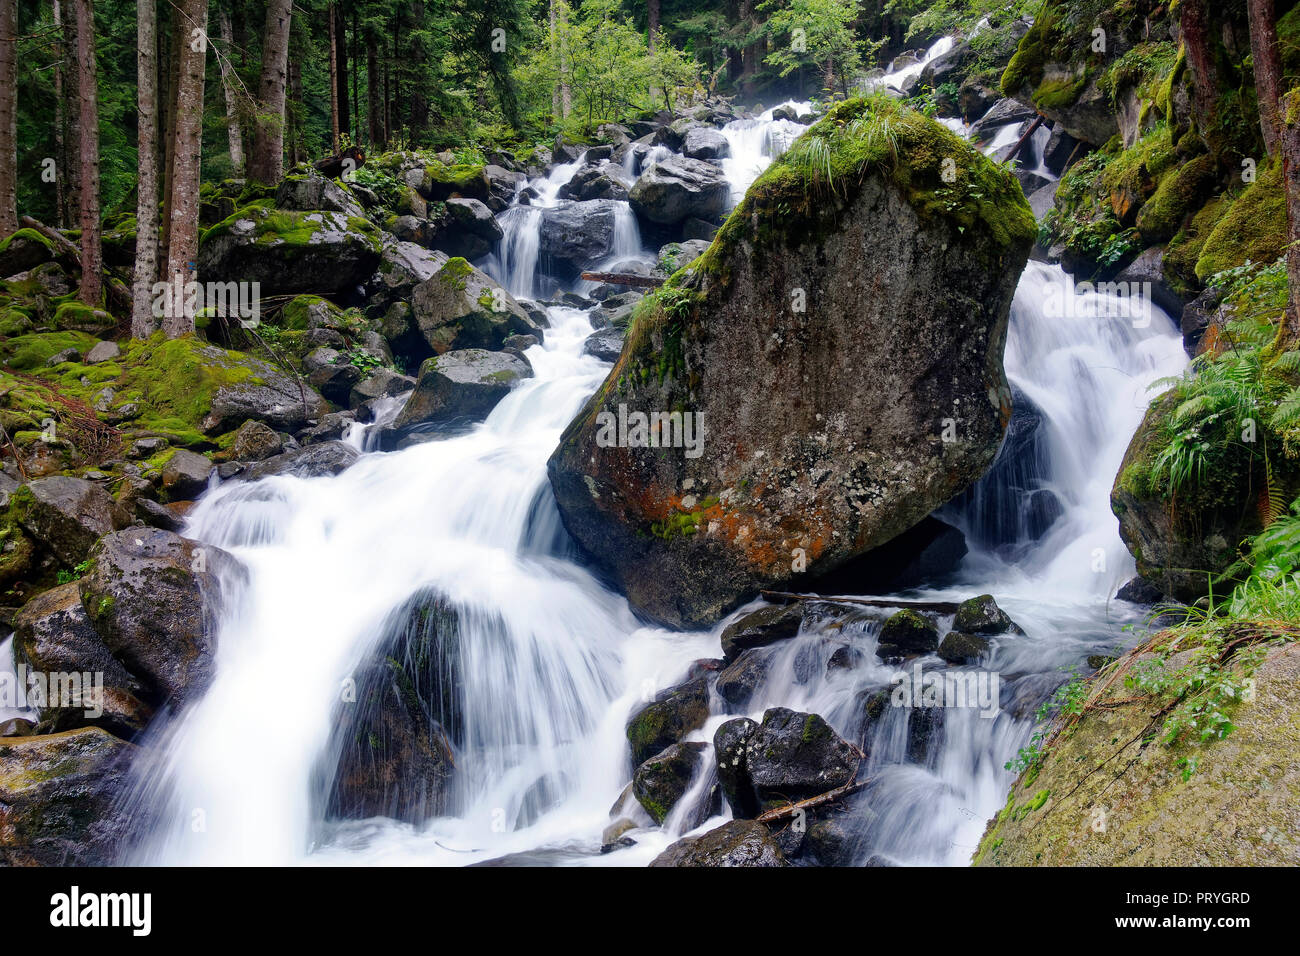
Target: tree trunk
1195	24
566	91
268	142
183	216
146	207
8	117
234	133
71	171
356	68
341	68
92	266
652	15
334	80
179	38
1268	68
293	103
1289	143
374	95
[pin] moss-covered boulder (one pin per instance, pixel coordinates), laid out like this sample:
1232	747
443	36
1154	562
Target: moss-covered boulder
1253	229
155	598
457	389
907	632
22	250
290	251
460	307
667	720
661	782
850	314
1182	541
66	515
1108	791
58	798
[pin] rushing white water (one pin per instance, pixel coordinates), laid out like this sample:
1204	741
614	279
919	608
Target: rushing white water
897	78
755	143
9	685
551	664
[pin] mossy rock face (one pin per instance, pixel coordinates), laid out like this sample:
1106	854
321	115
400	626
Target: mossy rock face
910	631
22	250
1254	228
443	182
881	249
78	317
661	781
57	798
460	307
666	721
1180	193
1179	547
288	252
1106	794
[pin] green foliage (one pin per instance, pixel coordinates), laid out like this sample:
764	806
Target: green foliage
816	33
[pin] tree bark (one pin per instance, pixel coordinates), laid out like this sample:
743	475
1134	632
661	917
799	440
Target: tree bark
146	208
8	117
334	80
234	130
60	122
183	216
293	102
652	16
1195	24
71	171
341	67
356	68
373	120
268	142
1268	69
1289	143
172	72
92	265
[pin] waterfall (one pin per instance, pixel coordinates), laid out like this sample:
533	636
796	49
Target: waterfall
550	664
755	143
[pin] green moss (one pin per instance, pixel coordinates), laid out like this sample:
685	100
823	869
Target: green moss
29	235
77	316
1026	65
29	352
1254	228
1059	92
1181	191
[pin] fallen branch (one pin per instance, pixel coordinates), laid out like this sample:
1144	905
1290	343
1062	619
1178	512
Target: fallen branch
792	809
1038	121
789	597
623	278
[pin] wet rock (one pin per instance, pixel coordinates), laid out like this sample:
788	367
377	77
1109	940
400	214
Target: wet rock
382	383
54	637
959	648
738	843
154	599
24	250
660	782
471	229
264	394
910	632
1137	591
702	142
761	628
667	720
845	658
155	515
792	756
605	344
981	615
460	307
737	683
65	355
579	234
331	427
1147	272
832	841
66	515
593	182
1004	113
677	188
185	475
730	751
459	388
255	441
58	796
721	526
319	459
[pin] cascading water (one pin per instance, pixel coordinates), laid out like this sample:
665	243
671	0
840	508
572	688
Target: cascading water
550	664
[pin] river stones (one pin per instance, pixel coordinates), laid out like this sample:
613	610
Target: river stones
738	843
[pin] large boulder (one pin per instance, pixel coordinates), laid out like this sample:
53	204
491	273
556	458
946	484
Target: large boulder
154	598
459	307
291	251
59	798
704	142
665	721
663	780
244	387
310	191
738	843
841	362
578	234
317	460
593	182
1110	792
54	636
678	188
792	756
66	515
459	388
470	229
396	756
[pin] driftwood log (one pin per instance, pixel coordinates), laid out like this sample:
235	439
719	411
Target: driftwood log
117	294
622	278
789	597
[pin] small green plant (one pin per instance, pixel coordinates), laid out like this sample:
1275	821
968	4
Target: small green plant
76	574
